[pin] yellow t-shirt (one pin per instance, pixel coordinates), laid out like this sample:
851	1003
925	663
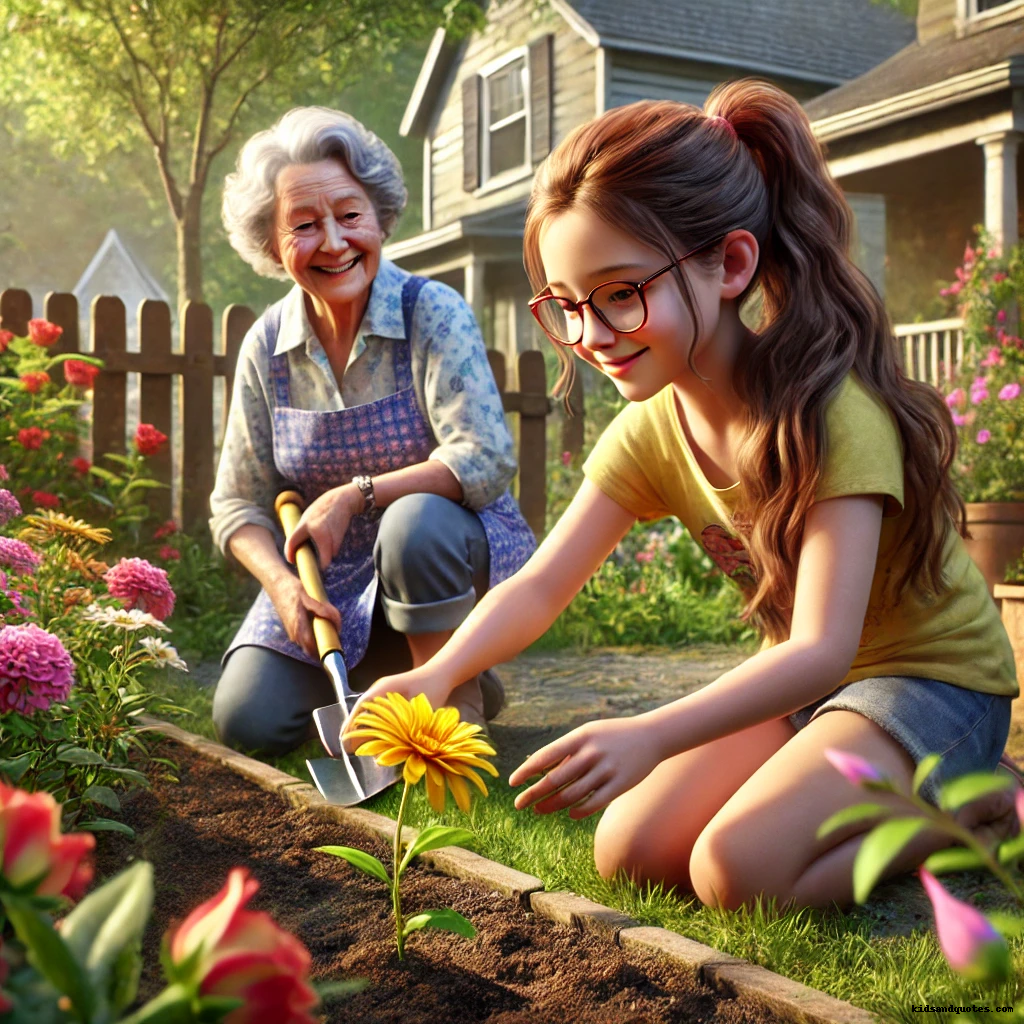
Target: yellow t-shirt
643	462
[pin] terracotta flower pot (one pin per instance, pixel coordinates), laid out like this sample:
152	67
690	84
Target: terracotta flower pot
997	537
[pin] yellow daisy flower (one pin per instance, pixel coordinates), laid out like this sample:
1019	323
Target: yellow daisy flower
436	744
48	525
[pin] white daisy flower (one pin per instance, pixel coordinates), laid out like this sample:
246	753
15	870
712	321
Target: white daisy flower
123	618
163	653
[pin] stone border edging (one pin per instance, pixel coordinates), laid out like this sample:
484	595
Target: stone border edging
729	975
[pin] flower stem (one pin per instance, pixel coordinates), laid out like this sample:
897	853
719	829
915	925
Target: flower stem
396	901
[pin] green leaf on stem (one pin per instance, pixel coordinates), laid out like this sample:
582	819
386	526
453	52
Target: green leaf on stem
956	858
107	825
50	955
433	838
1012	850
848	815
957	792
103	795
926	766
121	460
80	755
213	1009
882	845
446	919
105	474
359	859
14	767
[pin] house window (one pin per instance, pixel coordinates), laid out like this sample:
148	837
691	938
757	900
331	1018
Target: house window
978	8
505	128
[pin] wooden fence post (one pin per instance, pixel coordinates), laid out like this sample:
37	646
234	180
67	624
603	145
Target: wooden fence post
235	324
15	310
197	412
533	440
155	396
108	343
572	425
61	308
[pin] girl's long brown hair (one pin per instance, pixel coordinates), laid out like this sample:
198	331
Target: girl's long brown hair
679	179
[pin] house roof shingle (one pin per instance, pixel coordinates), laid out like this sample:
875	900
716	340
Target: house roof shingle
917	66
827	40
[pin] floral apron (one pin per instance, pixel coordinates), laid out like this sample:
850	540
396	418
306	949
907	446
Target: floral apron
315	451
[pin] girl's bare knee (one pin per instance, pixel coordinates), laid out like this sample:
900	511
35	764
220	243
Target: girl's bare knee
724	870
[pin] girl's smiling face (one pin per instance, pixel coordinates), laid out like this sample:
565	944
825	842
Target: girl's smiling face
580	251
326	232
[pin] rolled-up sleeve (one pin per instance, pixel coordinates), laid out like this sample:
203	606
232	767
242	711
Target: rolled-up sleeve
247	479
462	400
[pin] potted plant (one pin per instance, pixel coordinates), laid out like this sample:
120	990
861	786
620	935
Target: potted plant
986	400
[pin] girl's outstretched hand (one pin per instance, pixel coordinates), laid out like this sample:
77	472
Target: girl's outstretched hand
587	768
408	684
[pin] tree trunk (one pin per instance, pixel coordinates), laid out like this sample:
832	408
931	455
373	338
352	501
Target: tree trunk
190	259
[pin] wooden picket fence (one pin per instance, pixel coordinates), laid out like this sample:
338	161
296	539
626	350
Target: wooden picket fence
197	363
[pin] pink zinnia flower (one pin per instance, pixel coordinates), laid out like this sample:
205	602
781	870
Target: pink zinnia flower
958	419
955	397
984	436
18	556
992	357
1001	316
978	395
968	940
9	507
35	670
1008	392
140	584
853	767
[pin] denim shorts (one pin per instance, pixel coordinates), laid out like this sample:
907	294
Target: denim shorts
926	716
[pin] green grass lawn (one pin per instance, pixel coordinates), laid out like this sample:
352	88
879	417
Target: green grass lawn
835	952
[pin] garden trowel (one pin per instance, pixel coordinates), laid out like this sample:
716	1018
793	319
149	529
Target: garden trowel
341	778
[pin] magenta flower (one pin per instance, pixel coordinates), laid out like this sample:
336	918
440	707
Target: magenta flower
35	670
140	584
853	767
992	357
978	395
566	458
1008	392
9	507
1001	316
1019	804
18	556
984	436
958	419
968	940
955	397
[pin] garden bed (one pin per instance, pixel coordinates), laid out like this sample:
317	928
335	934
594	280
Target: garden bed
519	967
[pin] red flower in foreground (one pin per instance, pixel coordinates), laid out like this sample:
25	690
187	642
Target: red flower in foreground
30	438
44	499
80	374
140	584
6	337
32	847
169	554
149	440
34	382
80	465
244	954
43	333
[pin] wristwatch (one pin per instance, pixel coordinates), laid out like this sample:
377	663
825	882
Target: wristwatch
370	510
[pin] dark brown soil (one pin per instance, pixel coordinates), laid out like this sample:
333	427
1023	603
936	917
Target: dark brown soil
520	969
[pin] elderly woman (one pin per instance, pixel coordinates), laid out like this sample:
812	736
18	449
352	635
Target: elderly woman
368	389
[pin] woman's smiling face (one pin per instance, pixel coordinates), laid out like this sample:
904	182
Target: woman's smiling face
581	251
326	232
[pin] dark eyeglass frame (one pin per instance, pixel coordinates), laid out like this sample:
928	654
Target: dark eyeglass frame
577	307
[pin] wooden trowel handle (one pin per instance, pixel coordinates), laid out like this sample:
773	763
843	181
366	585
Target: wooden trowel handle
289	506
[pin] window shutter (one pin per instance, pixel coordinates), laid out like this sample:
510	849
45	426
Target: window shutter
471	133
540	97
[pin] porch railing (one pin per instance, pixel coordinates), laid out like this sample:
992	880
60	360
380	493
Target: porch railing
176	392
932	351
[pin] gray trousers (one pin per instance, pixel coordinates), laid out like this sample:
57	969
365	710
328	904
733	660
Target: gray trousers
432	562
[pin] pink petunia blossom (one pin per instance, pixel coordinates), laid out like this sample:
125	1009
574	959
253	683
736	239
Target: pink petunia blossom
18	556
4	474
1001	316
984	436
853	767
140	584
1008	392
35	670
993	357
978	395
956	397
958	419
9	507
968	940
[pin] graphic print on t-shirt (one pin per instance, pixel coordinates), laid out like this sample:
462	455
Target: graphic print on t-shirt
727	552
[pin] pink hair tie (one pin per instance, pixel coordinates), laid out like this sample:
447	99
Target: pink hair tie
723	122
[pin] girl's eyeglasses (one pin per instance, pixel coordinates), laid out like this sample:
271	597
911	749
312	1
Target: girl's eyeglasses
619	305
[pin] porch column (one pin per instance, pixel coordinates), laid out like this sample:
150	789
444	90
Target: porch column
1001	186
474	292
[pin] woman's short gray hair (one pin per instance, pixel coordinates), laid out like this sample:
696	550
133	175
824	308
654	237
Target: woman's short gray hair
303	136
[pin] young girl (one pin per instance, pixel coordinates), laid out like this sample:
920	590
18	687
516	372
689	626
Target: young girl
803	460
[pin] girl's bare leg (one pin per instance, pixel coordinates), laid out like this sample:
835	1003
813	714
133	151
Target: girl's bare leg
649	831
